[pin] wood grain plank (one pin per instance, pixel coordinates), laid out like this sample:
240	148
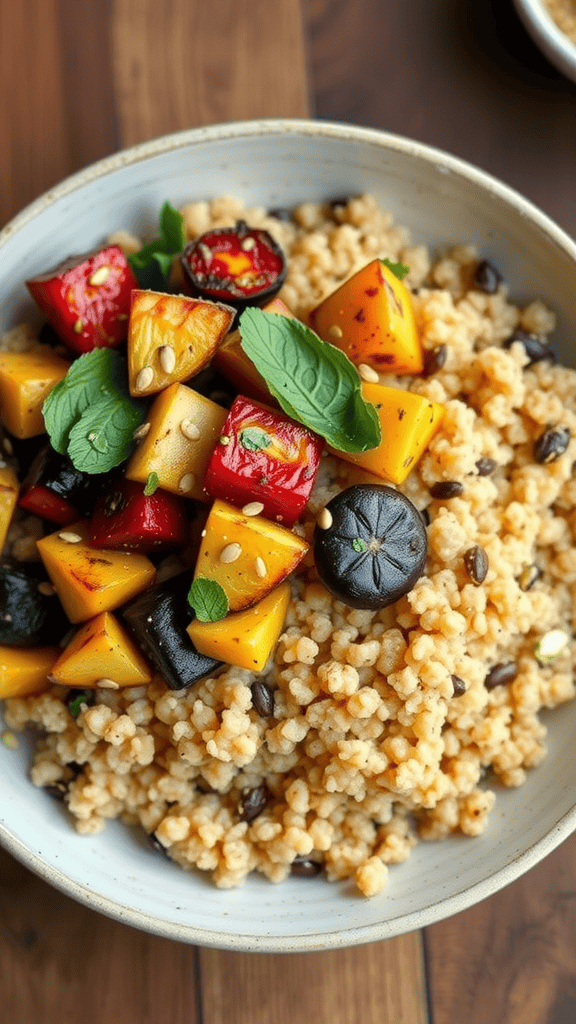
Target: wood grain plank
57	107
187	63
462	76
511	959
381	983
60	962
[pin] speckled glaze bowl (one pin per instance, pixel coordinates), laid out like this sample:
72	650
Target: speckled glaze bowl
443	200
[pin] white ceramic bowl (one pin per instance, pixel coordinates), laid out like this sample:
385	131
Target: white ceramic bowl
555	44
444	201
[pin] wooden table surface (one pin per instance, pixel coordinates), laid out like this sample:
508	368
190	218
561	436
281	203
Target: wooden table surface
82	78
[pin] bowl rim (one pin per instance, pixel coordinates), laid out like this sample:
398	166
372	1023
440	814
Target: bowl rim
566	823
554	43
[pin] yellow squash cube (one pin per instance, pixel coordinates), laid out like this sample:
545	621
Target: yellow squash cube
170	338
25	670
245	639
408	423
8	499
101	649
90	580
26	378
247	555
184	427
231	360
371	318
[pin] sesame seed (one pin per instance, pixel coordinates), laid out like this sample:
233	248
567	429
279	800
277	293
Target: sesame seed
107	684
334	331
100	276
230	553
324	519
253	508
141	431
248	244
190	430
78	326
224	439
46	589
70	538
167	358
261	569
367	373
8	446
186	483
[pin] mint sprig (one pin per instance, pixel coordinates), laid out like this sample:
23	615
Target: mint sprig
90	416
154	260
398	269
314	382
208	599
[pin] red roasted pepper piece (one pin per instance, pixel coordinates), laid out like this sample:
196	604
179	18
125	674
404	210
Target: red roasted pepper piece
55	490
87	299
238	265
263	456
127	518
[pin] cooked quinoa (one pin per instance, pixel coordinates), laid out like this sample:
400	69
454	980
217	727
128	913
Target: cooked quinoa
384	729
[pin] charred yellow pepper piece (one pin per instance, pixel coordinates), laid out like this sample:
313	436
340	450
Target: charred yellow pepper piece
101	649
247	555
408	423
371	318
25	670
26	378
91	580
231	360
246	638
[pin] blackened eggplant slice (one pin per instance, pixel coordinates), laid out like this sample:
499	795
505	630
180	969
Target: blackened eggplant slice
30	612
374	549
158	619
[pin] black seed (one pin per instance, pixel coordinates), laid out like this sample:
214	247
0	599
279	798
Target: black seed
528	577
486	466
339	202
262	699
57	790
458	685
476	562
435	359
425	516
252	802
280	213
487	277
446	489
156	844
304	867
501	674
537	349
551	445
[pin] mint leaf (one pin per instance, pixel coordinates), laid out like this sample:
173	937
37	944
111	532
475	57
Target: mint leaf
314	382
151	484
398	269
79	389
208	600
159	253
90	415
254	440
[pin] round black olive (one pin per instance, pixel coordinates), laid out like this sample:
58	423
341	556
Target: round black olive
374	548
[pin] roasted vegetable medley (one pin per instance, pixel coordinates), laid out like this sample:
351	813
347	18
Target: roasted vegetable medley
138	454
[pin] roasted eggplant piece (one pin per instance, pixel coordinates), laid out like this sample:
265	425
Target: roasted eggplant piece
158	619
30	612
55	490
